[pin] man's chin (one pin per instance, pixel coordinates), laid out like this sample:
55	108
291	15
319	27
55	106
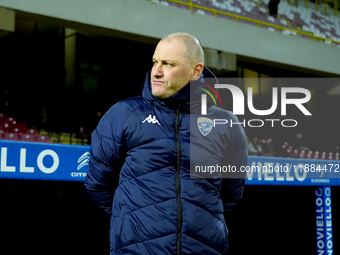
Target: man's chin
159	96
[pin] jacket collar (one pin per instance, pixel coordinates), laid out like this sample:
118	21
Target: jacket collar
182	97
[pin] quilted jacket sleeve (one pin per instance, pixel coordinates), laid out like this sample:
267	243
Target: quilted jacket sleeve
233	182
105	160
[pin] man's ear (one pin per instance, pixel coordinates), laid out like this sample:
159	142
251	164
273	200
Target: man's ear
198	71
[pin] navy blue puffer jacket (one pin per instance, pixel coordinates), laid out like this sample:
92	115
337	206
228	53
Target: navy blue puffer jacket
158	207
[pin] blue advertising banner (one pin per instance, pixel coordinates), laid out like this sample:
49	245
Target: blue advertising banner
324	230
292	171
44	161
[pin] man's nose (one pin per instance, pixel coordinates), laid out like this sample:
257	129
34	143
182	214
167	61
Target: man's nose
157	70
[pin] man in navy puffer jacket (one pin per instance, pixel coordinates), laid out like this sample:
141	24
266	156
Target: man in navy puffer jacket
161	206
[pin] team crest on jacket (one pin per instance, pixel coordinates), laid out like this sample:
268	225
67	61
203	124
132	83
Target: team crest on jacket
204	125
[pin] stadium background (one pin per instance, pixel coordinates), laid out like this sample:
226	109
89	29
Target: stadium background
62	62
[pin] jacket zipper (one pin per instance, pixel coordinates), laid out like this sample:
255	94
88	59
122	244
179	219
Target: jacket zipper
178	186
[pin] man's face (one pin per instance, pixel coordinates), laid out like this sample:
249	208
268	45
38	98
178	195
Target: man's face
171	69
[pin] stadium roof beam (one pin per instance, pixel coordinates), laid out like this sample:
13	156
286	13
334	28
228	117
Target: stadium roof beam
7	21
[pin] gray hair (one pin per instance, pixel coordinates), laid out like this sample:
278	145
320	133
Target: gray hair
193	46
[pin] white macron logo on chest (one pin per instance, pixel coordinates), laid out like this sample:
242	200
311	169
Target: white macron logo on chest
151	120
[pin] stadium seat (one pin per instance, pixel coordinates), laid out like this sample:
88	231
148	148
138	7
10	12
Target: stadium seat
10	120
316	155
285	145
289	151
42	139
294	153
309	155
301	154
329	155
17	130
11	136
32	131
2	133
7	125
28	138
3	128
21	126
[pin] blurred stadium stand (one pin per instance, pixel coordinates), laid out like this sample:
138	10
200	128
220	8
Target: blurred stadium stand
293	19
12	130
81	64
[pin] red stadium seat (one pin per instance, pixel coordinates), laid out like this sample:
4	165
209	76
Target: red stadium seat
32	131
294	154
2	133
11	136
337	155
309	155
316	155
3	128
27	138
330	155
16	130
7	125
42	139
11	119
21	126
301	154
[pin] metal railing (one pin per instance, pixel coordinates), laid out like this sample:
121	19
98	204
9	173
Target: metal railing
257	22
326	3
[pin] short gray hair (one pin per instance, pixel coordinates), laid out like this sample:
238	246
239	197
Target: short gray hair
193	46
